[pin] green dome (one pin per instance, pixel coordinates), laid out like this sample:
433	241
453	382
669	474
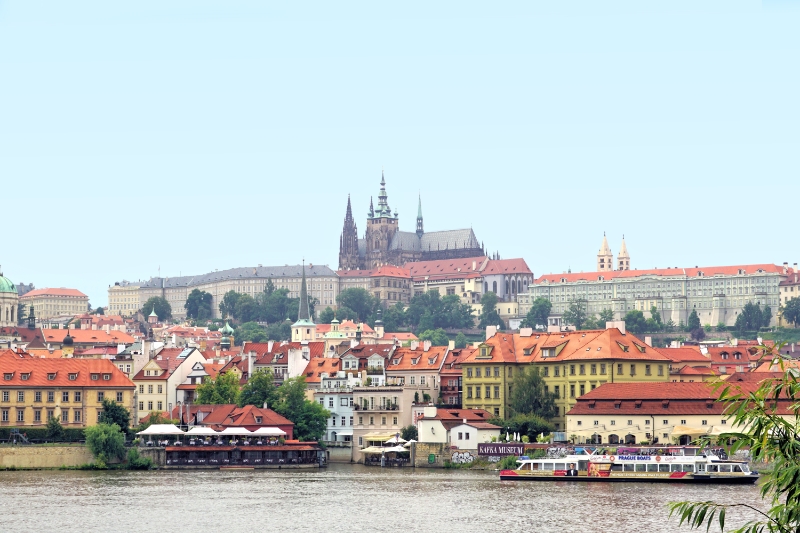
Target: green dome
6	285
226	329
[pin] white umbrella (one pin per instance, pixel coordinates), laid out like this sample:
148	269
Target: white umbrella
235	431
395	449
395	440
201	430
507	435
408	444
372	449
161	429
270	432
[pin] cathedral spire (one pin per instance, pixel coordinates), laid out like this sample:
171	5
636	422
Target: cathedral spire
348	241
303	313
605	259
623	259
420	229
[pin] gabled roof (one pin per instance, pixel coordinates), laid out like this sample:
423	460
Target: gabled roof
684	355
264	356
316	367
447	267
53	292
39	371
417	360
87	336
672	272
234	416
459	415
22	333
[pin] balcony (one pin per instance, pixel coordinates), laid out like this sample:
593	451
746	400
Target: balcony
387	407
375	371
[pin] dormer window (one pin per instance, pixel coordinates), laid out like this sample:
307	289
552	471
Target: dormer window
8	377
51	377
431	360
95	377
72	377
25	377
258	420
106	377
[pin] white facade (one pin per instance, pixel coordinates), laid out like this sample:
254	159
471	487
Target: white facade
336	395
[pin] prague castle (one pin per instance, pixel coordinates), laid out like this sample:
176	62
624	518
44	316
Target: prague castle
384	244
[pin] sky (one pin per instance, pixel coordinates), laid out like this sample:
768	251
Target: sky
182	137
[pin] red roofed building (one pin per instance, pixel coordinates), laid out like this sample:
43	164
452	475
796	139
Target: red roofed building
49	303
669	413
249	417
459	428
86	338
450	376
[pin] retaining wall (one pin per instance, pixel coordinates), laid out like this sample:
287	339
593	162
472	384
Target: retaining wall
44	456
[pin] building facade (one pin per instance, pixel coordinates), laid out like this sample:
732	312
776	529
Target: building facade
9	302
50	303
123	299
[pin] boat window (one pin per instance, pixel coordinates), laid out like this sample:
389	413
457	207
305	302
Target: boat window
629	467
724	468
547	466
712	468
561	466
616	468
742	468
583	465
663	468
676	467
688	468
641	467
652	467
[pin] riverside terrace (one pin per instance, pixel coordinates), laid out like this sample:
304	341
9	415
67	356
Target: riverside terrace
202	447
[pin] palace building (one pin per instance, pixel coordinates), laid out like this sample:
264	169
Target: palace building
384	244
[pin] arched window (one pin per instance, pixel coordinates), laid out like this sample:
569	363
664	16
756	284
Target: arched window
494	287
519	285
485	286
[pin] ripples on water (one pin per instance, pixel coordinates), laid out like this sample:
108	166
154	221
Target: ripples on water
339	498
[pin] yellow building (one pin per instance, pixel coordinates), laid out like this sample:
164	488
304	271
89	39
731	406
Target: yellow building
157	382
49	303
123	299
72	390
571	363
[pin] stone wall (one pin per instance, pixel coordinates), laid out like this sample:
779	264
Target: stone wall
157	455
44	456
421	454
339	454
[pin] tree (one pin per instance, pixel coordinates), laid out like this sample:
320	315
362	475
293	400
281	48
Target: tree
279	332
526	425
575	314
698	334
246	309
394	318
223	390
655	315
529	395
259	390
250	332
791	311
409	433
198	305
310	418
22	313
461	340
438	337
751	318
227	307
765	418
100	311
693	321
721	326
489	315
606	315
155	417
430	311
538	313
360	301
635	322
326	316
160	305
55	431
106	441
766	316
115	413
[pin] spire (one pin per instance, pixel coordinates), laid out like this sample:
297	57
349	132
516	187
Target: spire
383	205
348	242
303	313
623	259
371	210
605	249
420	229
605	259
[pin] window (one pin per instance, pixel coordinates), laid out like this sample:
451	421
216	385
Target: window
583	389
723	421
141	406
477	372
571	370
160	389
546	371
647	422
141	389
351	420
76	415
469	372
646	370
72	377
466	435
372	421
330	402
556	371
65	396
107	377
630	422
613	422
149	389
510	372
496	411
333	420
160	406
65	416
95	377
469	392
665	422
596	422
119	397
422	380
488	392
704	422
572	391
460	436
102	395
497	371
20	396
37	396
557	391
78	396
593	369
477	392
5	415
50	414
633	370
51	396
660	370
20	415
412	380
37	415
360	420
394	420
619	369
580	423
582	370
149	406
683	422
497	392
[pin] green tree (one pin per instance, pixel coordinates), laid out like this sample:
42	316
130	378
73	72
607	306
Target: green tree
161	306
721	326
246	309
751	318
635	322
655	315
55	431
115	413
693	321
106	441
310	418
438	337
100	311
791	311
529	395
606	315
430	311
409	433
526	425
698	334
198	305
222	390
766	419
227	307
461	340
155	417
250	332
766	316
538	313
575	314
259	390
326	316
394	318
489	315
360	301
280	332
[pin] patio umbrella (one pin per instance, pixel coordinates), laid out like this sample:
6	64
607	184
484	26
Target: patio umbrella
235	431
395	440
408	444
395	449
372	450
270	432
202	431
162	429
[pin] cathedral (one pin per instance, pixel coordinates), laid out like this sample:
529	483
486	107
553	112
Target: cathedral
385	244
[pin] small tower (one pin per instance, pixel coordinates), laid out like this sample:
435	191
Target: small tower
304	329
152	318
605	259
67	347
348	242
420	230
623	259
379	324
32	318
227	337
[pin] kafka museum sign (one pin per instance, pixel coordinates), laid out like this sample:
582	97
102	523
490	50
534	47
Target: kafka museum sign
498	449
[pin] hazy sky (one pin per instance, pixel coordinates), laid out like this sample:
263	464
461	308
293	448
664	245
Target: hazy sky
200	135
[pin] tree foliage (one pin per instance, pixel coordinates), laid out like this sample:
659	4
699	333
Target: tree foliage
769	437
635	321
529	396
753	317
438	337
326	316
271	305
222	390
155	417
106	441
409	433
310	418
538	313
359	301
198	305
430	311
461	340
55	431
161	306
489	315
575	314
115	413
530	425
693	322
259	390
791	311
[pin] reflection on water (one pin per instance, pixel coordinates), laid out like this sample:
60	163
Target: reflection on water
339	498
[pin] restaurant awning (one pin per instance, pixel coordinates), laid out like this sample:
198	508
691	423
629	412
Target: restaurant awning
373	450
269	432
378	436
161	429
235	431
686	430
201	431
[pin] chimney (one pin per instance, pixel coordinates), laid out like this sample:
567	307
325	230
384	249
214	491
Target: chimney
269	345
491	331
525	332
703	349
426	345
414	345
619	324
648	341
785	267
250	356
474	265
451	345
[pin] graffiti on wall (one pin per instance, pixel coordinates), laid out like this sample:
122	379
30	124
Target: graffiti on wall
462	458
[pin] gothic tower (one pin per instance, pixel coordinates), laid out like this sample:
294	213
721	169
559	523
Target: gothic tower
304	329
605	259
381	227
420	230
623	259
348	242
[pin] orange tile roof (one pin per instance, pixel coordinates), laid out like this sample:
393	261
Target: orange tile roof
696	371
683	355
87	336
391	271
45	353
264	356
417	360
472	415
53	292
506	266
40	370
446	267
347	325
315	368
400	336
688	272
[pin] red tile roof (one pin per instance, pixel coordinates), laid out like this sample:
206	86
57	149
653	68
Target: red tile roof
316	367
53	292
684	355
39	371
447	267
471	415
87	336
418	360
506	266
688	272
696	371
233	415
264	356
22	333
391	271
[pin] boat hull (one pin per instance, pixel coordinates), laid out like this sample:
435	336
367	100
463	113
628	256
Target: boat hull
512	475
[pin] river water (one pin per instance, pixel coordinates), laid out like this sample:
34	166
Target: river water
338	498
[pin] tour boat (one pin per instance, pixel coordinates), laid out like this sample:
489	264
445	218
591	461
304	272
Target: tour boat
672	464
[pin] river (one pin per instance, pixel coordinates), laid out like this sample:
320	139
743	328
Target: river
338	498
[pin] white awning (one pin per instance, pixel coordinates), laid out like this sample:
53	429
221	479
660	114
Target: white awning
235	431
269	432
373	449
162	429
202	431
